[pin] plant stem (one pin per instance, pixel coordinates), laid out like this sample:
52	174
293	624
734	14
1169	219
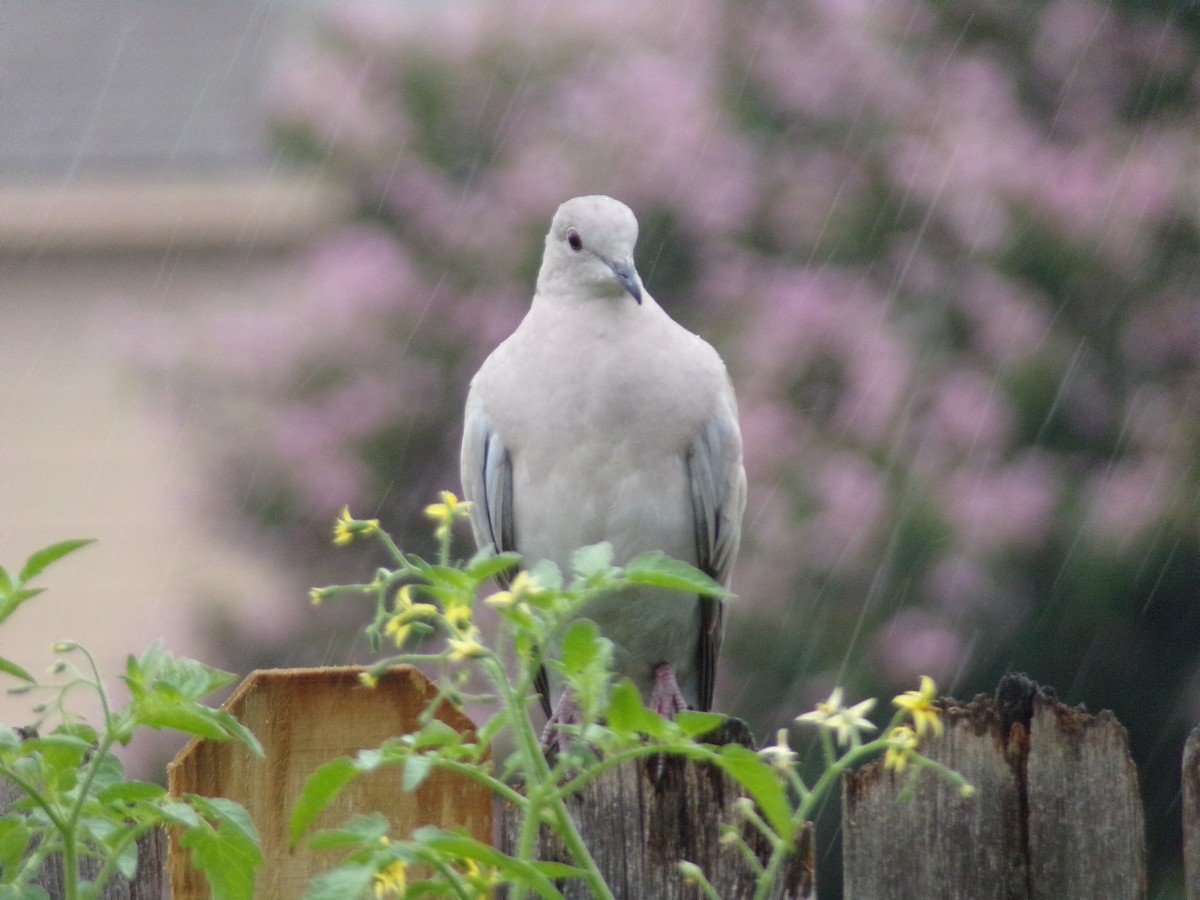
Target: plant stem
537	772
475	773
766	878
579	852
70	864
698	753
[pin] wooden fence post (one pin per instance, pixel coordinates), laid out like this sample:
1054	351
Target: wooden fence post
1191	816
643	817
1056	811
306	717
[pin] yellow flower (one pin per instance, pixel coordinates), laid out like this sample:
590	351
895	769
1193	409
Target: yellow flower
397	630
465	648
347	528
902	743
392	880
404	613
459	618
368	680
522	587
920	706
483	878
779	754
445	513
846	721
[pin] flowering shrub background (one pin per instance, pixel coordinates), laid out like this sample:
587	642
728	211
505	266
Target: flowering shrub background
948	252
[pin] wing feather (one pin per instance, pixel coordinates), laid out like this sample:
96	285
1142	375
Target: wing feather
718	489
487	479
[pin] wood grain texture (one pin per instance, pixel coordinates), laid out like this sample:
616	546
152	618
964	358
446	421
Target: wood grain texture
640	819
306	717
1055	814
1191	816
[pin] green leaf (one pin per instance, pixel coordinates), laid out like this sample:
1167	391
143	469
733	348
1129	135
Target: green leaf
80	730
178	813
416	770
591	561
534	875
628	716
548	575
656	569
487	563
694	723
370	759
8	667
127	861
343	883
13	600
360	831
322	786
157	712
757	776
23	892
227	813
5	581
228	854
448	577
436	734
132	792
581	645
61	754
236	730
15	836
38	562
9	739
177	678
107	771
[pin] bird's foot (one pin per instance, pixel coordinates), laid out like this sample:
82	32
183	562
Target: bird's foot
666	699
565	713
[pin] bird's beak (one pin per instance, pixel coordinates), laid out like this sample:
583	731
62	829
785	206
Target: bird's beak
628	276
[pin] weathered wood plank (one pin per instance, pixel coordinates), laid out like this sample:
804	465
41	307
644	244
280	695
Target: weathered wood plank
1086	834
1191	816
938	843
1056	811
641	819
304	718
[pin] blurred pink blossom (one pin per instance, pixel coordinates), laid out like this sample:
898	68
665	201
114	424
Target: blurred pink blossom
969	414
851	501
1009	506
361	272
917	642
1009	325
1122	502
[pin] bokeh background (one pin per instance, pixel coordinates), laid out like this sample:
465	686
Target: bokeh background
947	250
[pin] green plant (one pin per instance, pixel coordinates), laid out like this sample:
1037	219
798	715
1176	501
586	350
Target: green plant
74	800
540	610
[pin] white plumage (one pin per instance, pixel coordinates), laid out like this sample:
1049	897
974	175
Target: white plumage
602	419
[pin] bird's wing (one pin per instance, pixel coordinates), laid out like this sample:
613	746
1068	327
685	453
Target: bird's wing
718	489
487	479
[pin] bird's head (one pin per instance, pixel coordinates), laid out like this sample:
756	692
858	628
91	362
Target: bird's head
590	249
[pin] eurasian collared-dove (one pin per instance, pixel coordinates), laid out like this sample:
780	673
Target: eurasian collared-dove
602	419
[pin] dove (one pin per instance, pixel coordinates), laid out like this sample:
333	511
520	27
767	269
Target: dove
602	419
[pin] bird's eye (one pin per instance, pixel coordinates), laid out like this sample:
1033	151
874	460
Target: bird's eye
574	240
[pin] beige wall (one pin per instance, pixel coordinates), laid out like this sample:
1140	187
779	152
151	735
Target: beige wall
83	453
